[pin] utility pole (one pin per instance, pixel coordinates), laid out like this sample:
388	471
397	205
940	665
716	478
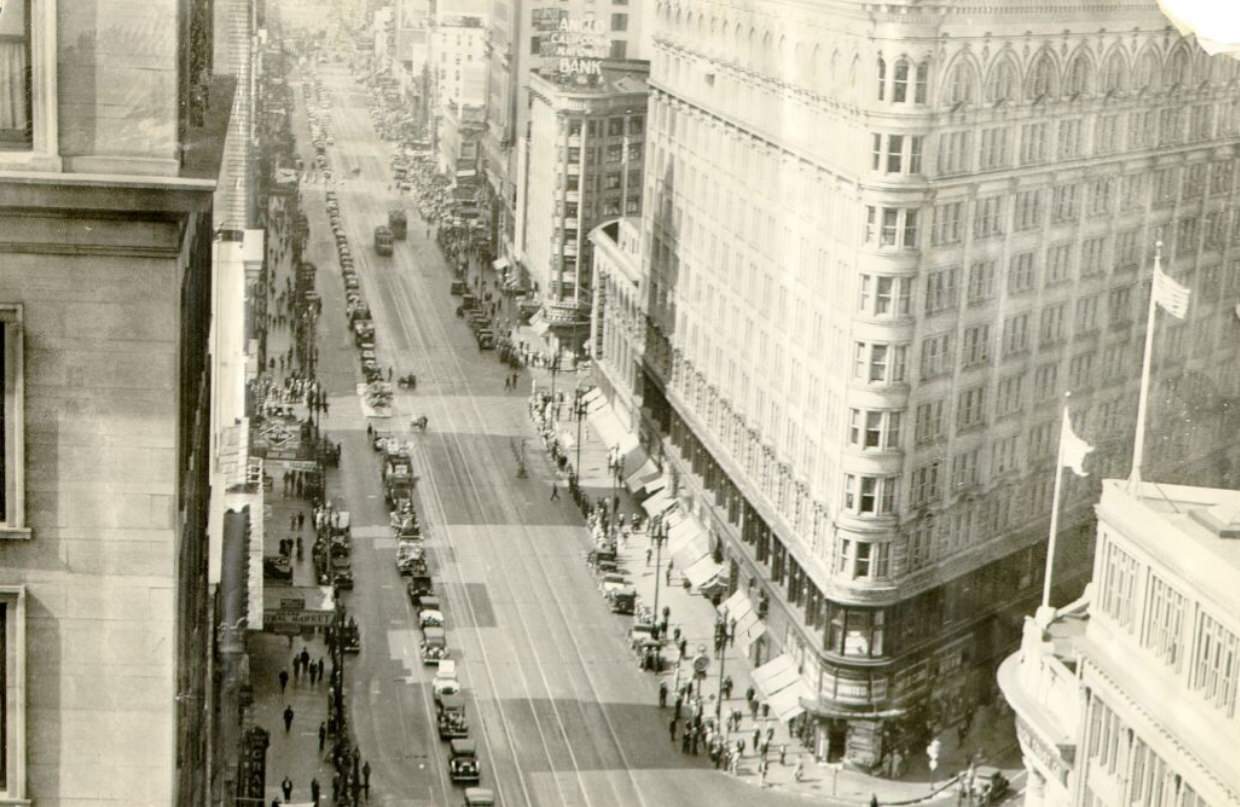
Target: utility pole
657	537
721	645
579	410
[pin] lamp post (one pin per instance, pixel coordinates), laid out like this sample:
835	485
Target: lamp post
721	645
658	537
579	410
555	369
618	470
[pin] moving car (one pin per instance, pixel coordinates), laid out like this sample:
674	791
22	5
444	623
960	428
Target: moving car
457	287
623	600
479	797
419	587
612	582
383	240
990	786
430	618
463	763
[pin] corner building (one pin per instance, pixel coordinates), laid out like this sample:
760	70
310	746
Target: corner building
879	245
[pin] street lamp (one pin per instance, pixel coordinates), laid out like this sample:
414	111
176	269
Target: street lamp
618	470
659	536
721	644
579	411
555	368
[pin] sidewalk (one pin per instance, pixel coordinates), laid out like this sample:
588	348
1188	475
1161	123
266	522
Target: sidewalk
991	739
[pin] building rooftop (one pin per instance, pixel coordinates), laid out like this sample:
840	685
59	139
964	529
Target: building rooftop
628	77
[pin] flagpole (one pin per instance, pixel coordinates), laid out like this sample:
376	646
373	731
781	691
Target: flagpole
1050	544
1143	400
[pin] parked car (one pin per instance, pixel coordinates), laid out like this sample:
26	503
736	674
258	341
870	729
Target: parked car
434	645
463	763
445	681
277	567
479	797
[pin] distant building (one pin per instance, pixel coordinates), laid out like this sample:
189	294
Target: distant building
525	36
1128	696
459	51
586	151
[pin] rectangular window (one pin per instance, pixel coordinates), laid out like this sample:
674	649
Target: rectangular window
1021	276
15	75
1119	586
981	282
1166	186
1164	622
976	346
964	469
1028	210
1119	306
1100	193
1214	664
953	152
1127	250
988	217
1011	395
12	425
1015	334
13	691
1064	204
1045	381
619	22
1032	143
925	488
1091	256
1051	330
970	408
1058	264
1106	136
1170	126
1080	371
619	49
1070	139
947	223
1087	314
1004	455
1142	128
895	154
994	148
929	423
1221	174
942	290
936	355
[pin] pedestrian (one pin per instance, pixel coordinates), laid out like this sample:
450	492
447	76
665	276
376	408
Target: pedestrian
283	681
732	633
726	689
753	709
320	666
296	668
684	742
684	646
301	520
662	694
288	718
366	779
740	746
315	791
873	800
762	773
783	753
757	739
749	695
668	576
649	552
313	671
286	786
770	735
322	735
555	491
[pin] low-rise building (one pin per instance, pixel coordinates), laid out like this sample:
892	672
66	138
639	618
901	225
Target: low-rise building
1128	696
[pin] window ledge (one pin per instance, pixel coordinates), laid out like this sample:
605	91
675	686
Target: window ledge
13	801
13	534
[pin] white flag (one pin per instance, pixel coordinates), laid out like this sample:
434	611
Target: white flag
1072	449
1169	294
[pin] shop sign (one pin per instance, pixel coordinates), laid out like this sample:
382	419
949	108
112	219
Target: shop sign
1049	757
578	45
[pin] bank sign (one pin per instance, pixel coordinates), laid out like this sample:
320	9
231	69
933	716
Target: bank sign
577	46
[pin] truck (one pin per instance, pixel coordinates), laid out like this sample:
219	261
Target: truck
451	718
383	240
398	224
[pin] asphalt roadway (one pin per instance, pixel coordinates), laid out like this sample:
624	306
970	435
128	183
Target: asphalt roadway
560	710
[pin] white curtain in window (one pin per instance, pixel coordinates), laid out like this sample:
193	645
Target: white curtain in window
13	111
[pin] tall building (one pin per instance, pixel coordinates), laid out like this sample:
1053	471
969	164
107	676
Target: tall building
459	48
879	245
587	139
525	36
1128	696
112	133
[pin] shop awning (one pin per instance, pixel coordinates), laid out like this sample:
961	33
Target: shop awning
612	433
782	686
703	571
499	264
592	395
688	543
657	504
748	626
644	474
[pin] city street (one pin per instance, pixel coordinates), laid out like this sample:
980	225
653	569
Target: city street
561	712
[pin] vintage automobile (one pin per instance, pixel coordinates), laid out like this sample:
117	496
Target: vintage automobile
445	681
457	288
343	579
623	600
430	618
450	717
463	761
479	797
990	786
434	645
277	567
612	582
420	586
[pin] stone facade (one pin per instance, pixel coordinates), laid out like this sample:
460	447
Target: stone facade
879	247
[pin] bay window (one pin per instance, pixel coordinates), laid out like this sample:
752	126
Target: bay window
855	631
16	90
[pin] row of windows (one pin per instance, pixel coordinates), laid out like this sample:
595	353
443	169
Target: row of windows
993	148
1027	210
1159	619
614	127
1115	751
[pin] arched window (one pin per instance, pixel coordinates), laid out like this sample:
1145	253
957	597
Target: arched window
1002	82
882	79
1147	74
1177	70
960	84
1078	77
1042	77
923	79
899	87
1113	74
